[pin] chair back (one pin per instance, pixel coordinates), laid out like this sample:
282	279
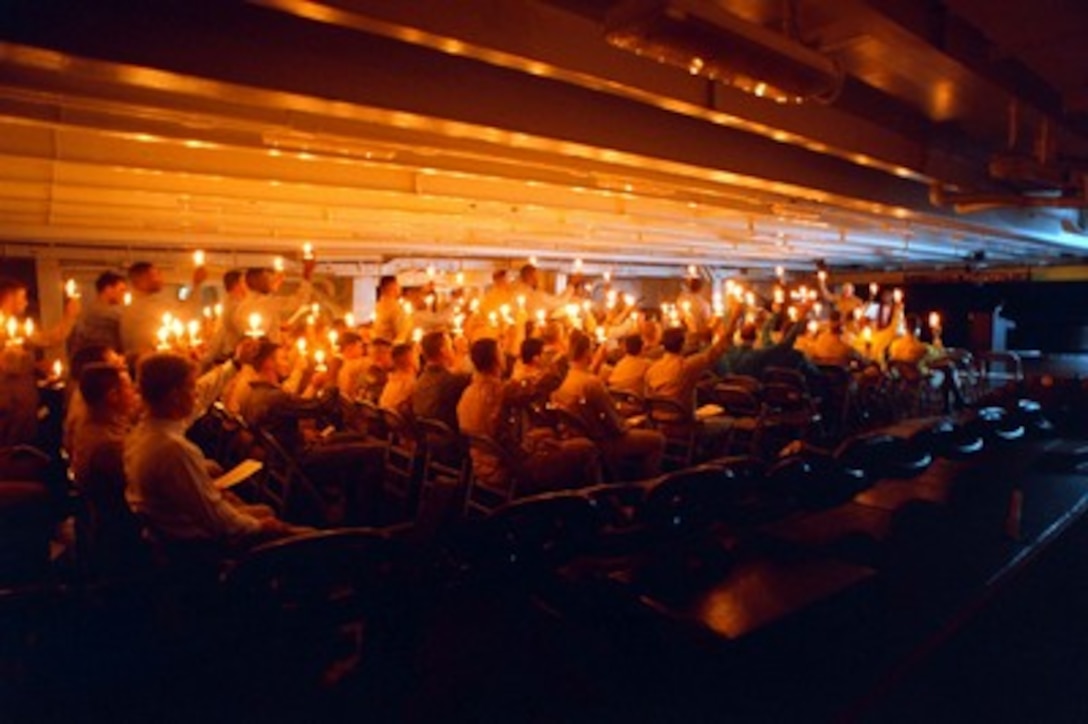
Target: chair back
495	476
628	404
282	483
445	473
679	427
785	376
737	401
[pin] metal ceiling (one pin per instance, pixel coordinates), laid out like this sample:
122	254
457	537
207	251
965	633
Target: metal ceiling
509	128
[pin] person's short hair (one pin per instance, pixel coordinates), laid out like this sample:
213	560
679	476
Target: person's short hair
161	374
748	332
431	346
97	381
580	345
695	284
531	348
139	269
349	338
552	332
254	275
385	282
498	275
85	356
231	279
402	354
526	271
380	342
9	285
673	339
484	354
266	348
106	280
633	344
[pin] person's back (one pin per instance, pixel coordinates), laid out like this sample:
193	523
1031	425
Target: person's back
438	389
629	373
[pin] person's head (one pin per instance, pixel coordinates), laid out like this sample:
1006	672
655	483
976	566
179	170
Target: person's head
748	333
848	289
632	345
351	345
673	340
91	354
531	350
107	389
529	276
389	287
695	285
234	283
145	277
552	334
13	297
167	384
581	348
405	358
259	279
835	323
381	352
271	361
111	287
437	348
498	277
913	324
486	357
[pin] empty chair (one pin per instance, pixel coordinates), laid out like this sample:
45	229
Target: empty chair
495	477
680	428
403	465
283	485
745	412
444	476
1001	370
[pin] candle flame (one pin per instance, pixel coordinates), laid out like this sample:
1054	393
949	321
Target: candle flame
198	257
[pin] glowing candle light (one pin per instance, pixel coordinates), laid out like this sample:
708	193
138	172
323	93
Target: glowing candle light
578	266
792	313
218	309
813	326
255	329
167	318
897	295
532	261
780	271
629	300
493	319
334	337
750	299
417	334
934	320
822	275
311	320
12	327
431	271
319	361
163	335
686	306
867	335
28	328
459	279
127	299
301	345
601	335
198	258
194	331
540	316
873	289
571	310
692	272
521	302
607	276
307	251
504	310
71	289
277	264
177	328
349	320
58	369
429	300
779	295
315	309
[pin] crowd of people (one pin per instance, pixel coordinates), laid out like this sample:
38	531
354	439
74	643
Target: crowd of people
144	365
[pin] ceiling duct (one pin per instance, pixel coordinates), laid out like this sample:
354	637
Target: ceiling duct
704	39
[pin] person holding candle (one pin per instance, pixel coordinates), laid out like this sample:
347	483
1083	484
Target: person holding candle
99	321
141	320
392	320
262	285
439	386
845	301
228	333
629	372
396	394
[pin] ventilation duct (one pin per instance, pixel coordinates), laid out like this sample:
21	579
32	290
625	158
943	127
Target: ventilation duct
706	40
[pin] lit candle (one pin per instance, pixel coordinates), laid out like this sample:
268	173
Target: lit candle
417	334
750	299
780	271
818	308
315	309
334	337
71	290
58	369
301	345
873	289
163	336
541	315
607	276
578	266
207	312
779	295
167	318
600	335
307	251
194	332
319	361
459	279
349	320
691	270
28	328
218	309
629	300
277	264
311	320
897	295
521	302
822	275
198	258
571	310
813	326
934	321
792	312
493	319
255	329
867	335
431	271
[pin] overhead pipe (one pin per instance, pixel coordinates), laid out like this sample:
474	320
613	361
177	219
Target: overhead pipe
968	203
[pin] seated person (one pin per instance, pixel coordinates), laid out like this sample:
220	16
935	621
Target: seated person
584	395
674	376
438	388
376	370
829	348
485	409
350	378
531	371
629	373
168	485
397	393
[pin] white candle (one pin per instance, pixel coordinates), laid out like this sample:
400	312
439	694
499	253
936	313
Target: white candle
255	329
127	299
319	361
71	289
277	264
897	295
417	334
58	369
307	251
934	320
198	257
349	320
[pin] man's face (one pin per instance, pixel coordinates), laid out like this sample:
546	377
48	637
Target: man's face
15	303
282	363
153	281
183	400
115	294
383	356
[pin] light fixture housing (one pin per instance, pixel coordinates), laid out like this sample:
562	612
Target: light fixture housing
706	40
